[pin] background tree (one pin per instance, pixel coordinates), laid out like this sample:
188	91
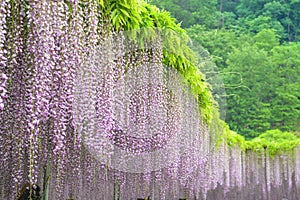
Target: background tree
286	104
254	45
248	84
189	12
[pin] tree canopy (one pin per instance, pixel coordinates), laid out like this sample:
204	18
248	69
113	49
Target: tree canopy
255	46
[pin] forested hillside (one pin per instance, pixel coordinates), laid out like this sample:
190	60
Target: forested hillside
255	45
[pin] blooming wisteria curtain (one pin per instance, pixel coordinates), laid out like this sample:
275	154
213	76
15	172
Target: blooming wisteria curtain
88	113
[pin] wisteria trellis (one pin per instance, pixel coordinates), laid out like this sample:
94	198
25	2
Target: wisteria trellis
86	113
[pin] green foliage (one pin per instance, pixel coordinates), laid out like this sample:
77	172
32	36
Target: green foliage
233	139
254	16
247	78
125	14
285	106
260	70
241	16
277	136
189	12
261	78
266	39
273	141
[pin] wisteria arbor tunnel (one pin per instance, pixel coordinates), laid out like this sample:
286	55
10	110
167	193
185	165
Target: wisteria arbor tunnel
91	110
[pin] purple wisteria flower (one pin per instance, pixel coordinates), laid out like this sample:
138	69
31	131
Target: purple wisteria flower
89	113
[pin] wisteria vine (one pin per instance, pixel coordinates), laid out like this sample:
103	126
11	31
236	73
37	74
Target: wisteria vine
88	112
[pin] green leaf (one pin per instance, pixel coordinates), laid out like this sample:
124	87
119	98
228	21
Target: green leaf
124	12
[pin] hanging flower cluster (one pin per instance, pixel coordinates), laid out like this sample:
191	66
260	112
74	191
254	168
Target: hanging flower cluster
4	11
87	113
3	90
